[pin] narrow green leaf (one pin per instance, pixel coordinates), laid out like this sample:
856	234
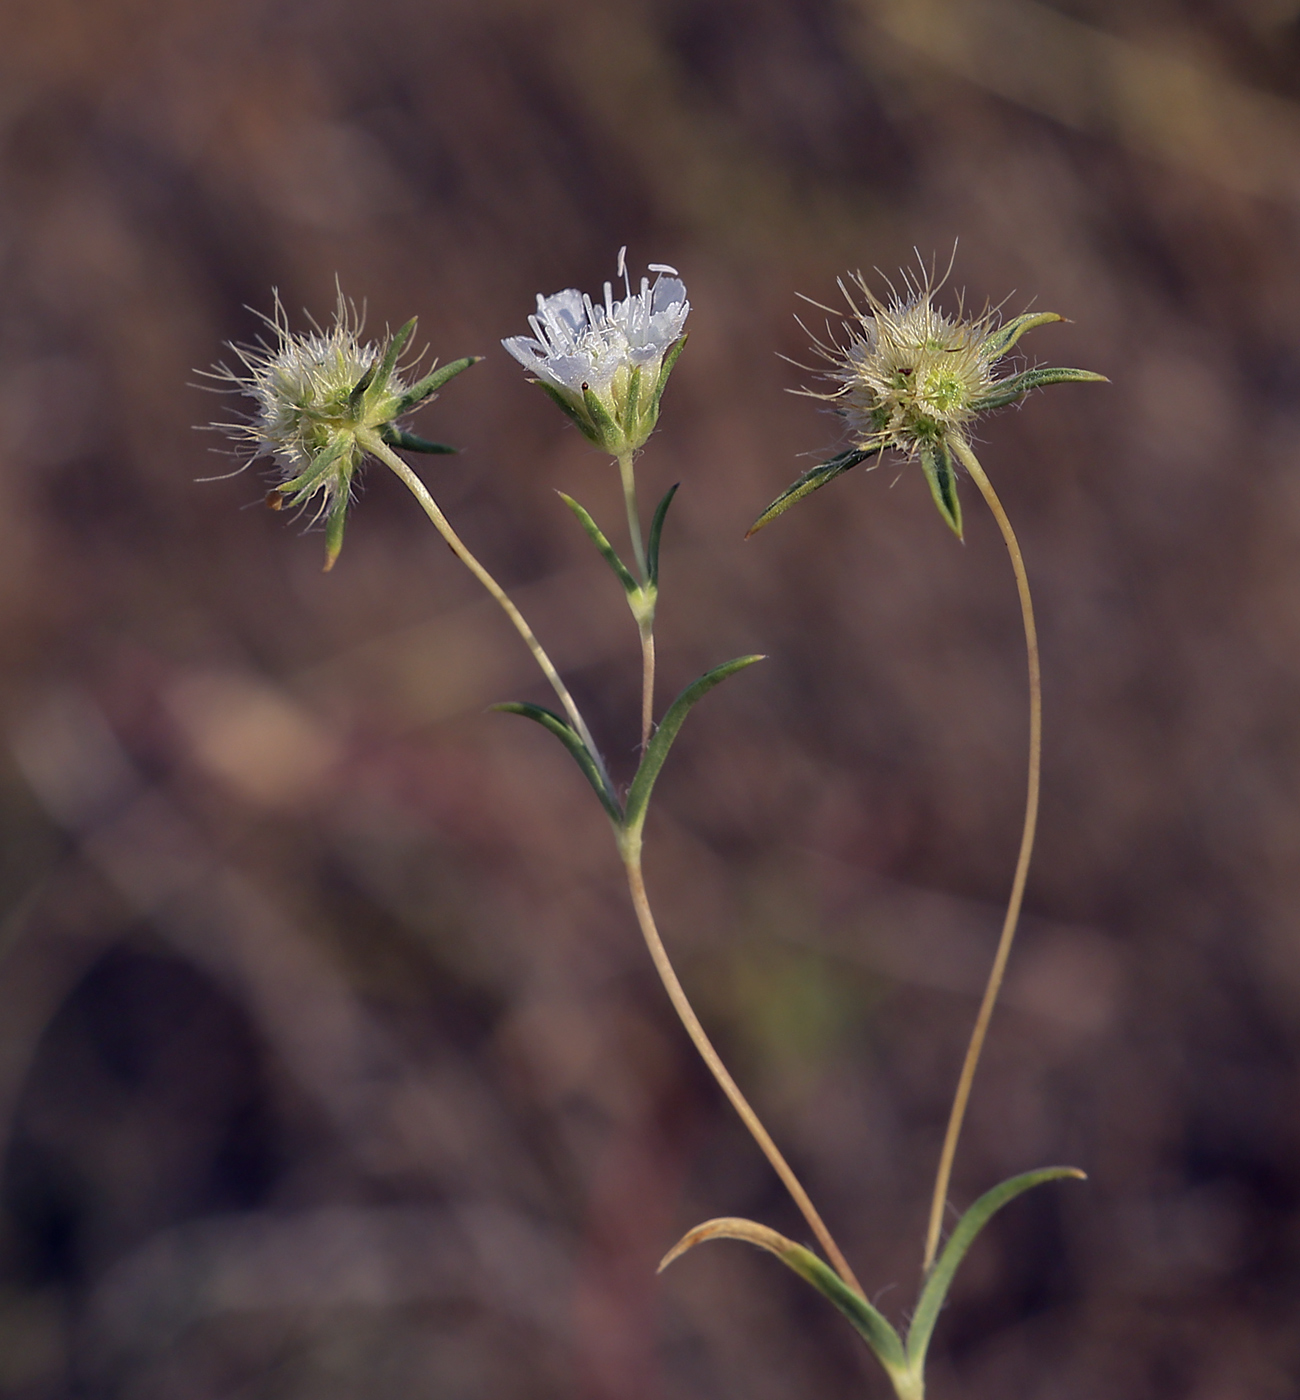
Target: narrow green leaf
1009	390
432	382
1008	333
559	399
665	369
392	350
936	463
941	1276
871	1325
334	523
571	741
399	437
359	389
656	751
308	482
812	480
599	415
621	571
633	394
657	529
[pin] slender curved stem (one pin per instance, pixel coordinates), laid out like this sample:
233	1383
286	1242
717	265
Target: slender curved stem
417	488
962	1096
702	1043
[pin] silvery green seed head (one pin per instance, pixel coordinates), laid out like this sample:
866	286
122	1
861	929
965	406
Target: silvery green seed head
912	378
323	401
606	363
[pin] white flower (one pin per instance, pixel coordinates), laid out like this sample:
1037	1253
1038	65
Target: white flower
606	364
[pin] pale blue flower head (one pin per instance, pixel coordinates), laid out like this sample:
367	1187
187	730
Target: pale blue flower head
606	363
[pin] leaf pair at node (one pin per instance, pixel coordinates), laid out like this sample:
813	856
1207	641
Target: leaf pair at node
902	1359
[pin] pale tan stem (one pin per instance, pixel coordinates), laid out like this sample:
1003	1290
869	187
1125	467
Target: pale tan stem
647	685
417	488
700	1039
962	1096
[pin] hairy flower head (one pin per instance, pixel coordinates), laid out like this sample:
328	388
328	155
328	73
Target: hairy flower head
324	400
910	377
606	363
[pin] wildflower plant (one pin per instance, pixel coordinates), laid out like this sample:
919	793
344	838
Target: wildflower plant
906	377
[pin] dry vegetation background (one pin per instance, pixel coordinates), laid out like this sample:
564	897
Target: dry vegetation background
331	1064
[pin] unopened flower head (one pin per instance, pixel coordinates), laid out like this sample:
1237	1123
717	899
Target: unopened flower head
606	363
910	377
323	401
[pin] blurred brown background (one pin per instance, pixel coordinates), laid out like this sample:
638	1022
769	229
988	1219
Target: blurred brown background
331	1064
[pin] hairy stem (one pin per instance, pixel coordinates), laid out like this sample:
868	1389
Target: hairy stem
702	1043
417	488
962	1096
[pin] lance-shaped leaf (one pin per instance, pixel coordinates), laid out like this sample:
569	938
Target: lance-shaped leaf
1006	335
656	751
432	382
665	369
656	530
559	399
608	552
633	396
605	425
941	1276
392	350
872	1325
334	523
411	442
586	760
1009	390
359	389
305	485
941	474
812	480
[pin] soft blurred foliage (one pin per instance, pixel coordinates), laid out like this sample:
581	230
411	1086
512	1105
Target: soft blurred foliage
331	1063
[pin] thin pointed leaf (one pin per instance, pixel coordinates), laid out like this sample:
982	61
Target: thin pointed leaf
599	414
936	463
656	751
657	529
432	382
665	369
607	550
874	1328
399	437
812	480
941	1276
558	398
1009	390
392	350
334	523
1007	334
306	483
359	389
571	741
633	395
